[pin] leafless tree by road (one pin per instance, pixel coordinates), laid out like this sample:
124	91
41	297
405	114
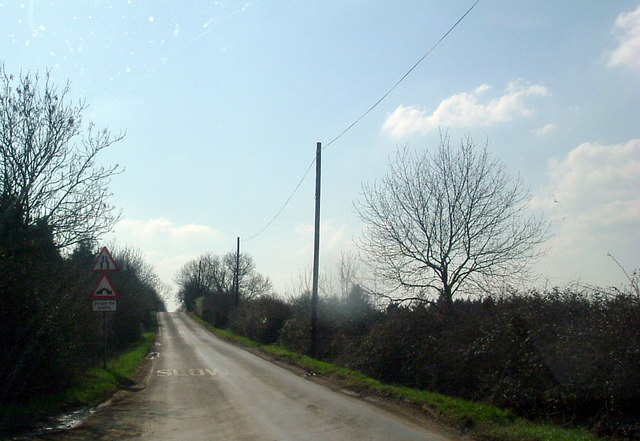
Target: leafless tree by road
441	222
211	274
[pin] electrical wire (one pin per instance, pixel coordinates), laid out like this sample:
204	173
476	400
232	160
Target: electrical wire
295	190
403	77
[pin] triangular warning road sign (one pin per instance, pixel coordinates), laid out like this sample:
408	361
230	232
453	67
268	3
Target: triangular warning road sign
104	261
104	290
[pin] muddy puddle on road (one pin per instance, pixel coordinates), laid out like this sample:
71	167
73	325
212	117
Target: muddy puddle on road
55	424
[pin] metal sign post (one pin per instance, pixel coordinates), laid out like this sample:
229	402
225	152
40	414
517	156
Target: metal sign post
104	295
104	340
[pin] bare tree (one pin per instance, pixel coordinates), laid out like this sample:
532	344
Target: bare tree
347	272
47	159
212	274
442	222
250	283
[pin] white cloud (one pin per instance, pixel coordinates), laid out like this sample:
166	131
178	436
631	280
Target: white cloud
466	109
545	130
162	227
628	53
593	199
595	173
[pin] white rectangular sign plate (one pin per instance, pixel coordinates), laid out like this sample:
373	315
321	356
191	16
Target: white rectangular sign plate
104	305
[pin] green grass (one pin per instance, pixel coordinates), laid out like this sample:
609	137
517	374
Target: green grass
101	383
95	386
481	421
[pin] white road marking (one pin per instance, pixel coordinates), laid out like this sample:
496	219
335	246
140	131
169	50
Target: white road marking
193	372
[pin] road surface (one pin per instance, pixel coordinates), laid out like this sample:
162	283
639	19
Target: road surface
201	388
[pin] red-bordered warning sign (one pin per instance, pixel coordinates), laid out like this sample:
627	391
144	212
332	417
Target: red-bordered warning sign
104	290
104	261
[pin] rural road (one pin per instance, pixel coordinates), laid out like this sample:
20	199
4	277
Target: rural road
201	388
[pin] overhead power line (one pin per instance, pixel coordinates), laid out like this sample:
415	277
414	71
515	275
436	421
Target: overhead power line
350	126
295	190
403	76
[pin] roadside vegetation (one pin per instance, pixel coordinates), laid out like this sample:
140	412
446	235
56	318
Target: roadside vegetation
53	205
90	388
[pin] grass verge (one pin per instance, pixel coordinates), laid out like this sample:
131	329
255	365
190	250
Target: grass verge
95	386
481	421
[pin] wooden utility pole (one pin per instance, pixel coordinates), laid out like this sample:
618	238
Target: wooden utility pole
237	278
316	260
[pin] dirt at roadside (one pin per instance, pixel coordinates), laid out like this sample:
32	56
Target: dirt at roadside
71	426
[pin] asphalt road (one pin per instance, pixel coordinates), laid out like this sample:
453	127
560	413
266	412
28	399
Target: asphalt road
201	388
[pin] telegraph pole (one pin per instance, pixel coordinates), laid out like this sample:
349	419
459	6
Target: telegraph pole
316	260
237	278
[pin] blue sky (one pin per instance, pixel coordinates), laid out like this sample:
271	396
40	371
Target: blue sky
223	103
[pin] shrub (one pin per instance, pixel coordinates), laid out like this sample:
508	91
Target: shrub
567	355
261	319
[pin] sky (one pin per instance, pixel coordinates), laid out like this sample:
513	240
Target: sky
223	102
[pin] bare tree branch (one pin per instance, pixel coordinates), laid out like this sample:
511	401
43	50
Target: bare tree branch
48	159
